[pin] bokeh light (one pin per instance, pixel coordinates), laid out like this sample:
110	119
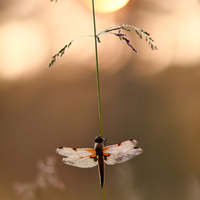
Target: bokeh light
152	96
24	48
106	6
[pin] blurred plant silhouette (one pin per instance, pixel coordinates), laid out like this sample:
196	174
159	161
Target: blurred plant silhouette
47	176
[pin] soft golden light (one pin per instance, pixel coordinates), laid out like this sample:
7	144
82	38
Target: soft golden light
105	6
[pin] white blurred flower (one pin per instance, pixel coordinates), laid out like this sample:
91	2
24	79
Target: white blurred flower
48	166
25	190
46	176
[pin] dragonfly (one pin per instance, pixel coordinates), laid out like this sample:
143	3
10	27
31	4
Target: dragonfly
100	154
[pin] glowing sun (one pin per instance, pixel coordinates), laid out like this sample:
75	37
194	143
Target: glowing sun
105	6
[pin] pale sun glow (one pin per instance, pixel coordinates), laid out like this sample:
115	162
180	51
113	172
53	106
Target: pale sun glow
106	6
23	48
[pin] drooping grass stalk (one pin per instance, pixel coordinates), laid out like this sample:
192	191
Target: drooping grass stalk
97	68
110	30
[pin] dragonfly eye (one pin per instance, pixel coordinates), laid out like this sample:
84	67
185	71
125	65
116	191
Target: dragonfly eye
99	139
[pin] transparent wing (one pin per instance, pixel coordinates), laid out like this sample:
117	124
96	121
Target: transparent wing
78	157
119	153
128	144
67	151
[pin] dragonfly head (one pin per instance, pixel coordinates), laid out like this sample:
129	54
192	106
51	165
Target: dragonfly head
100	139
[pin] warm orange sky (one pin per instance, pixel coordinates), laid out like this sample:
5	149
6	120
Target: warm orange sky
31	32
152	96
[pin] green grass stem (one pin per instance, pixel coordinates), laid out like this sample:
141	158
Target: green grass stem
97	71
97	67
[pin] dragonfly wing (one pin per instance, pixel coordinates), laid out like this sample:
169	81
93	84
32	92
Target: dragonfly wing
120	157
119	153
67	151
128	144
78	157
82	162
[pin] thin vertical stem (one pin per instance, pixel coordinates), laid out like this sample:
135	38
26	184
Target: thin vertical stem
97	67
104	191
97	71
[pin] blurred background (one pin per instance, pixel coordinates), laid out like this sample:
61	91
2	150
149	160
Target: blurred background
152	96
